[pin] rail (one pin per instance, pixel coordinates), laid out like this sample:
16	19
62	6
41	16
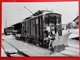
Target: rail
18	51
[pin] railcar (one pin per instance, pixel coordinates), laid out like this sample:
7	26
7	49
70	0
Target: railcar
8	30
41	27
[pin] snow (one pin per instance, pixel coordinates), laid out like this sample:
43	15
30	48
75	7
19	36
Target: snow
3	54
27	48
69	53
32	50
72	49
57	54
8	47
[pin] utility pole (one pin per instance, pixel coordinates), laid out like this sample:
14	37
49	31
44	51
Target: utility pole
6	27
6	23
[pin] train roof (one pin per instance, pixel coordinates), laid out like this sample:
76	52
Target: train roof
27	18
54	14
43	11
40	13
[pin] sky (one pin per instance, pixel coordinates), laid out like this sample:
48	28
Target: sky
14	12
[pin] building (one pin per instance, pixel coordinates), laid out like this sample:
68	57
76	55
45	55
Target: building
73	24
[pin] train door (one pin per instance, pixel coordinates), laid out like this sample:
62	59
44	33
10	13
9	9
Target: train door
39	29
26	26
23	30
29	28
33	27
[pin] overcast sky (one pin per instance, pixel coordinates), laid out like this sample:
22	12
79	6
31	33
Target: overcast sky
15	12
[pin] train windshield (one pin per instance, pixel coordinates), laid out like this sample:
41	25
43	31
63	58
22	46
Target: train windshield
50	19
52	23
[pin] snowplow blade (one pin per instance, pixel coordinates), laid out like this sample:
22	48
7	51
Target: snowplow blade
60	42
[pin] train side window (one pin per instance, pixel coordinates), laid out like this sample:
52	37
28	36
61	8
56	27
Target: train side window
36	20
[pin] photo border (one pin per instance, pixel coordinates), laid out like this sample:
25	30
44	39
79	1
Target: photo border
35	58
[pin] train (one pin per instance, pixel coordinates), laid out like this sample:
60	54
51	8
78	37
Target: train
8	30
39	28
43	28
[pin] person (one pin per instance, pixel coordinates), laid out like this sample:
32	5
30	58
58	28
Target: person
51	39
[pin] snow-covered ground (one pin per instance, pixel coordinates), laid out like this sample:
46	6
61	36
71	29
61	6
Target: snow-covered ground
27	48
32	50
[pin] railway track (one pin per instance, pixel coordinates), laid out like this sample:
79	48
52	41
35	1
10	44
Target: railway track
14	52
22	47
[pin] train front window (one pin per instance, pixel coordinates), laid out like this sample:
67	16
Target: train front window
50	19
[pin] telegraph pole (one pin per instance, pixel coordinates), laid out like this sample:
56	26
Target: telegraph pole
5	27
6	23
